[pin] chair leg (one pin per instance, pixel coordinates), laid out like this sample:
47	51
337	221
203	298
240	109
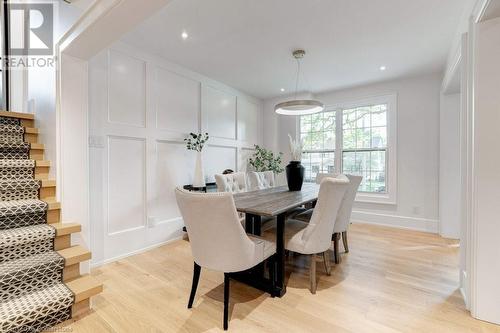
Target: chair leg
194	286
344	240
312	274
326	261
226	301
336	254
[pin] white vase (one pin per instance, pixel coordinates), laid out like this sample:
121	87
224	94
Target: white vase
199	176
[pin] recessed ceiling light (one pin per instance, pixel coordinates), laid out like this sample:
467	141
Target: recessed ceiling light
383	68
184	35
282	89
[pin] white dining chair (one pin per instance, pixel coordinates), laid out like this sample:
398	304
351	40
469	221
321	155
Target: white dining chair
315	237
322	175
261	180
218	242
344	215
233	182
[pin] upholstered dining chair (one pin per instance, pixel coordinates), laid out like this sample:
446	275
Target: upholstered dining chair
261	180
233	182
344	215
315	237
218	242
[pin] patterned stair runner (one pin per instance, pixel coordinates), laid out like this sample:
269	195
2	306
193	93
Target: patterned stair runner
33	296
17	169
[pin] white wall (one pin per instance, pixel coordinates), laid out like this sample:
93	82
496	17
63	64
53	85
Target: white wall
486	179
141	108
418	149
41	88
73	147
449	167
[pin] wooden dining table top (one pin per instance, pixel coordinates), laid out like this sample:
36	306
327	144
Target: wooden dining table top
276	200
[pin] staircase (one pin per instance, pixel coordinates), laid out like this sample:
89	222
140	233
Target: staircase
40	281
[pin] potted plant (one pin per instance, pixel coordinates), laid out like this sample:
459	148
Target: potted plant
196	142
295	170
266	160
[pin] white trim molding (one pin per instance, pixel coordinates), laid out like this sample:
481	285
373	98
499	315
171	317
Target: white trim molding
396	221
391	99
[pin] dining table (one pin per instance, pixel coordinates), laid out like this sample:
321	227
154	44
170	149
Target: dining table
277	203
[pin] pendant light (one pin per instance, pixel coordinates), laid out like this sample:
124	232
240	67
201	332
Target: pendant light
299	107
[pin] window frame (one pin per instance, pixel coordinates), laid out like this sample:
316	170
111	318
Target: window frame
390	196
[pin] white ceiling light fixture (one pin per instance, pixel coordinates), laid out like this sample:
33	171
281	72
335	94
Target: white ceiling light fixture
184	35
299	107
282	89
383	68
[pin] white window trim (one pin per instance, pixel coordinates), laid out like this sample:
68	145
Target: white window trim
390	197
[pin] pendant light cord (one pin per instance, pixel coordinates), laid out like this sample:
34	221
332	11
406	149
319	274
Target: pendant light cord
298	76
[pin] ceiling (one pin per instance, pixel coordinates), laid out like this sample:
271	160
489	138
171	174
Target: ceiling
247	44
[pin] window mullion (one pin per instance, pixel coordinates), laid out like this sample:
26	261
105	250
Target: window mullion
338	140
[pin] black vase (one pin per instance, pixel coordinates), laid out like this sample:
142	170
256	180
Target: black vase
295	175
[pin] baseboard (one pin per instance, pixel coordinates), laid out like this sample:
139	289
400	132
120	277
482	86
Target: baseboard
125	255
396	221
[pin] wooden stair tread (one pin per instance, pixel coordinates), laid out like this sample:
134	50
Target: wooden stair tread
53	204
39	146
42	163
75	254
48	183
31	130
84	287
63	229
19	115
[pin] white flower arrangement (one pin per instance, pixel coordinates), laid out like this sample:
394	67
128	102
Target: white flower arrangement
295	149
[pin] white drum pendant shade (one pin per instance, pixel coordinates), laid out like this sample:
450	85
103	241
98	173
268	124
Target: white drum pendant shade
299	107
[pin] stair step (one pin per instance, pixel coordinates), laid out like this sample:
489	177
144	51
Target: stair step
17	169
29	274
63	234
17	115
31	134
75	255
22	213
66	228
84	287
36	151
54	211
19	189
11	133
37	310
26	241
31	130
15	151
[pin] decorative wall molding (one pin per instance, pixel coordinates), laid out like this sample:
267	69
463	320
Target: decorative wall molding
131	253
174	107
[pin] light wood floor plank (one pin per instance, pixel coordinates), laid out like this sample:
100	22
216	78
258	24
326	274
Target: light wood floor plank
392	281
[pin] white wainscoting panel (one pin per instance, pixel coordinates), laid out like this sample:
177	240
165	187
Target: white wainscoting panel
141	107
174	167
126	184
248	121
177	101
217	159
218	113
127	90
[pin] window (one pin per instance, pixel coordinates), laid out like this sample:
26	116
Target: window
356	138
317	133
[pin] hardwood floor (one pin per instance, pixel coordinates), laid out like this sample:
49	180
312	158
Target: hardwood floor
392	280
